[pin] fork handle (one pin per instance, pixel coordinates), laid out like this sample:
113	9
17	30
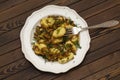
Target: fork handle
106	24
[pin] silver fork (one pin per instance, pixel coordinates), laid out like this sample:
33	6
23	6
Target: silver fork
106	24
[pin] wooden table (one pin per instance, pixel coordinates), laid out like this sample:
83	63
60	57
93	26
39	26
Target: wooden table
102	61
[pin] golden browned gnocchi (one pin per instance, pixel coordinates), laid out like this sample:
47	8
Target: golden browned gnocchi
57	40
67	58
54	51
51	42
59	32
38	48
70	46
47	22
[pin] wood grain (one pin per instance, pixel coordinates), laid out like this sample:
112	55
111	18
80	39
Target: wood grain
93	47
26	7
110	73
99	8
81	72
22	74
7	4
107	72
102	62
92	58
83	5
13	68
19	20
18	34
2	1
10	47
112	12
11	57
19	9
115	78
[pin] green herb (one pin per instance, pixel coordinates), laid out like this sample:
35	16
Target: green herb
65	38
61	48
58	31
33	43
50	45
75	25
70	22
68	46
59	22
77	44
44	56
62	52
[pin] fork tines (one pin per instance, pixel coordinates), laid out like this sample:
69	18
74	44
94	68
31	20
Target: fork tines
68	32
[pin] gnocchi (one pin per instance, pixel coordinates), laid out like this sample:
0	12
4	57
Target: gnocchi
51	42
54	51
59	32
66	59
47	22
70	46
56	41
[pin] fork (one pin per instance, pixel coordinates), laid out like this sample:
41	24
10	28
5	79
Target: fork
106	24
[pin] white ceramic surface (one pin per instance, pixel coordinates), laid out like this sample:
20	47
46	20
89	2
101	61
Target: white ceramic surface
26	38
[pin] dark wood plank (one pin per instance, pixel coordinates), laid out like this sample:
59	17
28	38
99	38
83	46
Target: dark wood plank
65	2
18	34
43	76
106	39
115	78
13	68
99	8
109	72
32	73
102	52
10	3
13	23
86	4
117	43
87	69
90	58
25	74
11	57
22	8
95	45
101	32
26	7
20	20
95	33
10	47
17	24
104	16
7	37
16	43
98	54
3	1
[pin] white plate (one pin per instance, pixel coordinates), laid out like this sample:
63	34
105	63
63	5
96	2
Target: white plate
26	38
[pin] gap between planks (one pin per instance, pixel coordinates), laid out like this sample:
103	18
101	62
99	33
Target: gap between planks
81	64
9	30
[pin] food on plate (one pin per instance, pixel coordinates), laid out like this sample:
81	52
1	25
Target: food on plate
51	41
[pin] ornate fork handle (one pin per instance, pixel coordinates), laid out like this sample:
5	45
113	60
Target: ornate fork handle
106	24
